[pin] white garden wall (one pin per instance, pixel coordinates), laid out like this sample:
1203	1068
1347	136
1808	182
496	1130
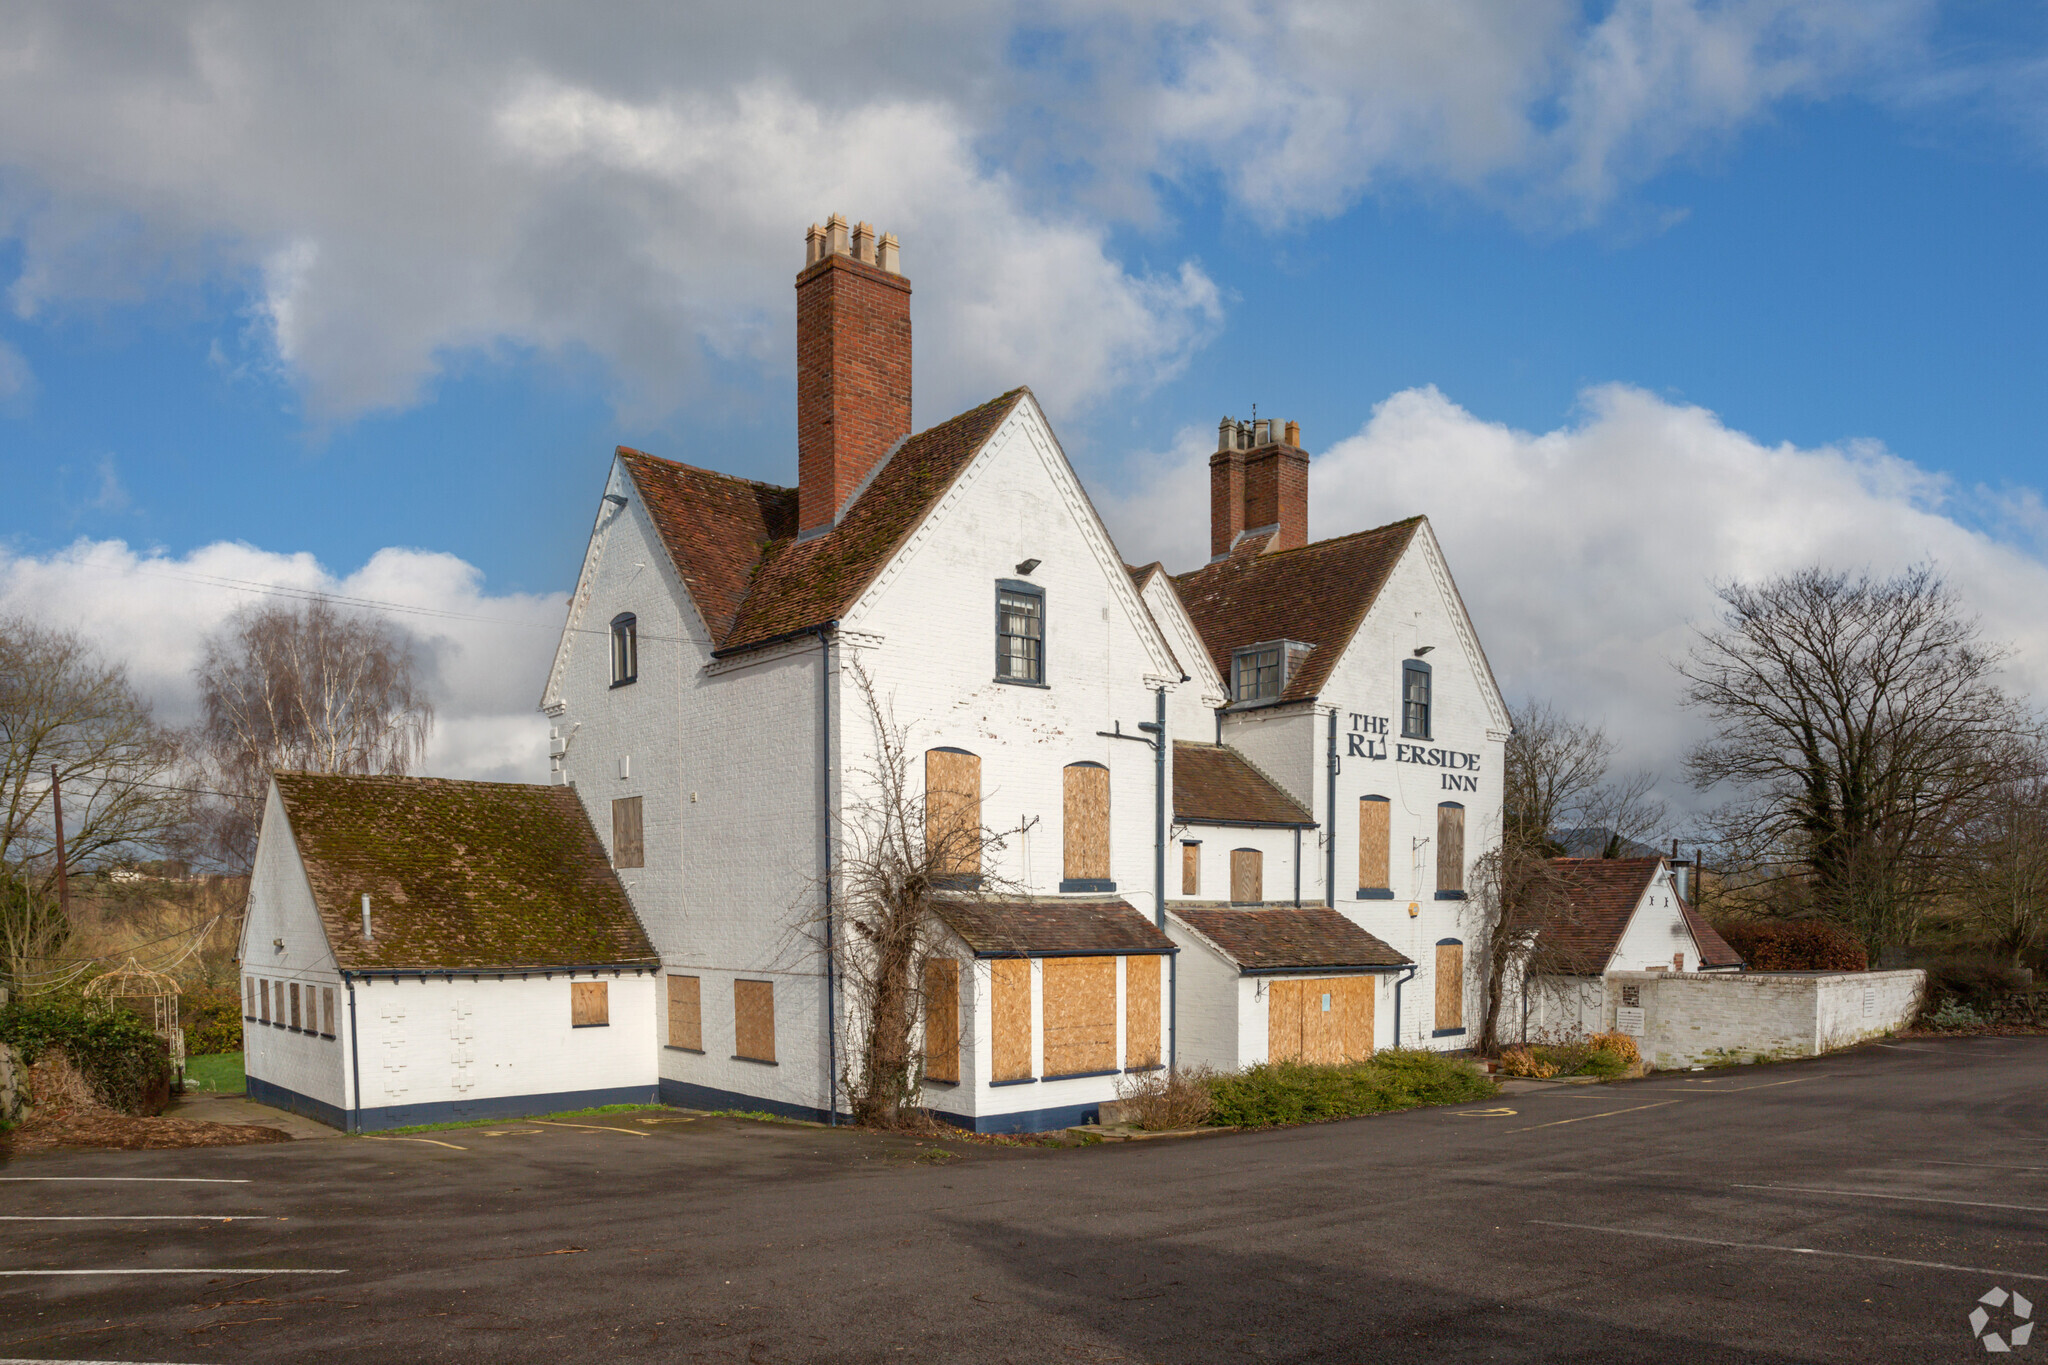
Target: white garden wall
1706	1018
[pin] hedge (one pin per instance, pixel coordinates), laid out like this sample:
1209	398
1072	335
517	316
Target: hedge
1795	945
120	1057
1300	1092
212	1020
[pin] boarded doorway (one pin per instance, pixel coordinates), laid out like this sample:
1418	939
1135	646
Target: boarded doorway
1320	1019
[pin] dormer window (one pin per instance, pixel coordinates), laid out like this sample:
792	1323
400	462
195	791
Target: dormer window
1259	673
625	649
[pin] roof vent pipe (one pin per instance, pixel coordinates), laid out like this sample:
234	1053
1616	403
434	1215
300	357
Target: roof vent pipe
366	915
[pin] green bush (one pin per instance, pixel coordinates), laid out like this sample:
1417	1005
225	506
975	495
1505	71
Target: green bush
212	1020
120	1057
1298	1092
1795	945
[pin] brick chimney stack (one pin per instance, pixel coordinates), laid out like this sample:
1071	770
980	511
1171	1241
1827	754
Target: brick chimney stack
1258	484
852	364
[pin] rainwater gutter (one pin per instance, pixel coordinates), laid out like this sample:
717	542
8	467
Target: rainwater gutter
1330	821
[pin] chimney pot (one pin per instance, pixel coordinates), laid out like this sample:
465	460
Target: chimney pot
1294	434
835	235
1226	434
814	245
864	243
887	254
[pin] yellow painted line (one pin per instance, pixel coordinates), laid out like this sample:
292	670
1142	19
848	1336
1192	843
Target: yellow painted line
1583	1117
594	1127
438	1143
1485	1113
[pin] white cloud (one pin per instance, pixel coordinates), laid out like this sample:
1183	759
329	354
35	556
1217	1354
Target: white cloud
17	381
488	653
395	184
1588	553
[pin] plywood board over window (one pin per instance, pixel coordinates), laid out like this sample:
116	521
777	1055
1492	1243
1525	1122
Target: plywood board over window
1080	1015
327	1010
686	1013
1373	814
1247	876
1450	847
753	1020
942	1019
249	997
1191	869
952	812
1320	1019
263	992
295	1005
589	1004
1141	1010
1010	1019
1084	831
629	844
1450	986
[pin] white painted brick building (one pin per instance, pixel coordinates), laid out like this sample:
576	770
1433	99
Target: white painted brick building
705	709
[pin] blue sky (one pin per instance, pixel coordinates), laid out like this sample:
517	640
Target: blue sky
311	291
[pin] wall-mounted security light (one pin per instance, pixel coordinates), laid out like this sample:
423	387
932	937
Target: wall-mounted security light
1421	650
1028	565
616	499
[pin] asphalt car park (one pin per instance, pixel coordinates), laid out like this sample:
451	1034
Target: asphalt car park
1856	1207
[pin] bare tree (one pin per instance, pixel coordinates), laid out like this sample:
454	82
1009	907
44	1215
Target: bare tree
308	689
1526	905
901	850
1556	780
1860	722
2005	882
63	708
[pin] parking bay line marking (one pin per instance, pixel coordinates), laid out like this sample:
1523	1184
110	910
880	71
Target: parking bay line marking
156	1270
1980	1165
1908	1198
1793	1251
594	1127
374	1137
1583	1117
136	1179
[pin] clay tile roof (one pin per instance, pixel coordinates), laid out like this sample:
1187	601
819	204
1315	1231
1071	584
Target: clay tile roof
1286	938
460	874
799	585
1317	594
1051	926
1714	950
715	526
1604	894
1214	784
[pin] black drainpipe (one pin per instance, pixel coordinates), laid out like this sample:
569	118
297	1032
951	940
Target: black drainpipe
1159	879
825	850
355	1056
1330	821
1297	867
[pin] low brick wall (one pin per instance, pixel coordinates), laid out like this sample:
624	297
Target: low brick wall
1701	1018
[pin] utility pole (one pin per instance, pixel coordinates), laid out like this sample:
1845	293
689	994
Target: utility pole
63	881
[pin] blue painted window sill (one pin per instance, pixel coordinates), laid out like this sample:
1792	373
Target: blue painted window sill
1450	895
1083	1075
1374	893
1087	884
1021	1080
1448	1033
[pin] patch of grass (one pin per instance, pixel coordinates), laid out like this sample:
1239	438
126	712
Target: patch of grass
567	1115
219	1073
762	1116
1295	1092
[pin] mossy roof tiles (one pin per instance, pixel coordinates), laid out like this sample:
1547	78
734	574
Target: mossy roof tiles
716	528
461	875
1051	926
1288	938
1215	784
1604	895
1317	594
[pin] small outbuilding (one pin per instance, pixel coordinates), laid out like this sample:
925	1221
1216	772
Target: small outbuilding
422	951
1627	915
1282	983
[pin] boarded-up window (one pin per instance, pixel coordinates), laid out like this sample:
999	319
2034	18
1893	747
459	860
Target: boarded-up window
589	1004
1010	1019
942	1019
1080	1015
1450	847
753	1020
1141	1010
1191	869
263	991
1373	813
1085	831
248	997
629	846
1450	986
686	1013
1247	876
295	1006
278	988
952	812
1322	1019
327	1010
